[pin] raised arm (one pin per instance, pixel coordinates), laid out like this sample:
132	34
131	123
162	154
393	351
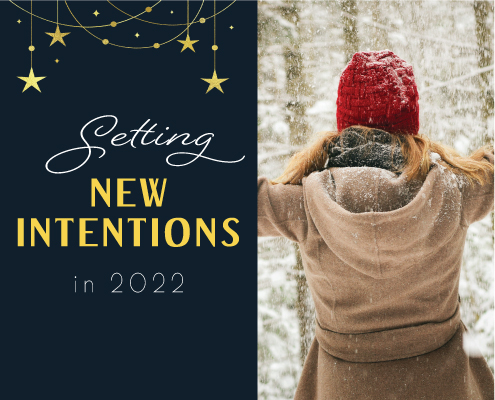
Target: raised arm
281	211
477	200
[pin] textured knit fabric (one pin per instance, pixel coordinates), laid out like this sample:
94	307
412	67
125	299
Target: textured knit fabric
353	149
382	259
377	90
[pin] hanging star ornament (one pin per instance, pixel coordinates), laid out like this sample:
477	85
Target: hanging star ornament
57	36
31	80
214	82
188	43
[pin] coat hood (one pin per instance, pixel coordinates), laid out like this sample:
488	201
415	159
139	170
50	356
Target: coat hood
376	221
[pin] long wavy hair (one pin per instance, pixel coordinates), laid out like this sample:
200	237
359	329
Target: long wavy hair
416	150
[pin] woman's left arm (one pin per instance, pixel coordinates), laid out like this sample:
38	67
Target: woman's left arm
281	211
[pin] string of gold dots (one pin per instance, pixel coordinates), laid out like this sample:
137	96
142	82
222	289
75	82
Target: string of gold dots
201	20
136	17
106	41
96	13
58	36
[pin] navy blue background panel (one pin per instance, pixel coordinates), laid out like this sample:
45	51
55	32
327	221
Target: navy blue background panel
59	342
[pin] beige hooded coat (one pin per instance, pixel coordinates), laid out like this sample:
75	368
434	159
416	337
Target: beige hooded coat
382	258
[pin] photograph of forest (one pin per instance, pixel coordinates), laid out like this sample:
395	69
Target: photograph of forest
303	47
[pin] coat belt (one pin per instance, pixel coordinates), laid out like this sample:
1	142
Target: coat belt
387	345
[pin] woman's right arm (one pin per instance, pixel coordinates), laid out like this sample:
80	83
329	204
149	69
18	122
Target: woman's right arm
281	211
477	200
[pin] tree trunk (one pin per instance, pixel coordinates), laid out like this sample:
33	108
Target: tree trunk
485	57
304	305
296	90
379	36
349	20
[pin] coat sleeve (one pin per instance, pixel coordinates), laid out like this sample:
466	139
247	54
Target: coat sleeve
281	211
477	200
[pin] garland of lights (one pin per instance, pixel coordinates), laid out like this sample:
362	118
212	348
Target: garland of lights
58	36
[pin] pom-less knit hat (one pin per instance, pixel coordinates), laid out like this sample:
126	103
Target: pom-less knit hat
377	90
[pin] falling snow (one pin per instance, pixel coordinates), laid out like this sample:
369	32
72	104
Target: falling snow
439	40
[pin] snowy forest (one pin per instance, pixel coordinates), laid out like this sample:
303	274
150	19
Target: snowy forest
303	46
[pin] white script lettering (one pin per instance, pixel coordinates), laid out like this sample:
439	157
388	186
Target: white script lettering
119	139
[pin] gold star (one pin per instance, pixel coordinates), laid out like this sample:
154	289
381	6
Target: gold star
214	82
188	43
171	12
18	21
137	35
31	80
57	60
231	27
57	36
96	13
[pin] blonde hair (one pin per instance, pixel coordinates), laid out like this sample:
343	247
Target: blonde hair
416	150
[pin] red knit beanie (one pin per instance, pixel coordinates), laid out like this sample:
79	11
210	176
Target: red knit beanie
377	90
